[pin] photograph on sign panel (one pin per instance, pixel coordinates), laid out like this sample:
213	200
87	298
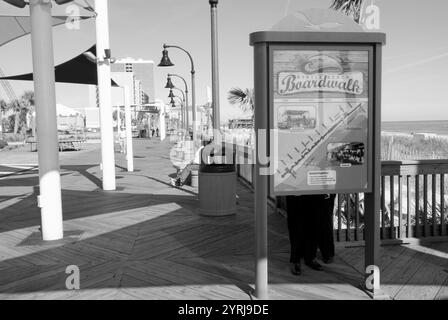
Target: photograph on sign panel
351	153
296	118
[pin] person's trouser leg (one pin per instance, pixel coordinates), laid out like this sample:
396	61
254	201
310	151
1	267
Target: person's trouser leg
293	219
308	226
326	237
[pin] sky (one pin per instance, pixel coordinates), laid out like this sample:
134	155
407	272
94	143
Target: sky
415	58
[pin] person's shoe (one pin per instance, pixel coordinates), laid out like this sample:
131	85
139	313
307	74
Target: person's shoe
328	260
314	265
296	269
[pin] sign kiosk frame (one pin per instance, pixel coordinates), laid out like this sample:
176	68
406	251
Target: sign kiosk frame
265	44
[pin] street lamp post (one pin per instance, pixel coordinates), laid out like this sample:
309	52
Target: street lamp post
171	85
215	66
184	103
182	108
166	62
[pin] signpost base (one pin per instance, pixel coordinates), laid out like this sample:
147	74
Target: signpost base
375	294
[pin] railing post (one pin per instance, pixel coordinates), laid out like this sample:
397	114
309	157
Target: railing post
408	209
417	206
434	205
442	205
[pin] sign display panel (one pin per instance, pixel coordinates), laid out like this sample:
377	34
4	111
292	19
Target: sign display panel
320	112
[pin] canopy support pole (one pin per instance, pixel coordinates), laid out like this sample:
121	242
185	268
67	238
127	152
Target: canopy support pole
128	119
105	96
49	200
162	124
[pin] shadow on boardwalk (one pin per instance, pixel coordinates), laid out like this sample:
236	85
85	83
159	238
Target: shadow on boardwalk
147	241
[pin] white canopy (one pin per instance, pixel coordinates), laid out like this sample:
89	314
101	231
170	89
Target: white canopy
65	111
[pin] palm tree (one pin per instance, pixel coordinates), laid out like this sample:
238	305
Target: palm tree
242	97
21	108
349	7
17	109
3	108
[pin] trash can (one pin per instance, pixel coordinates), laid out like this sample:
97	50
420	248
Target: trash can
217	189
195	178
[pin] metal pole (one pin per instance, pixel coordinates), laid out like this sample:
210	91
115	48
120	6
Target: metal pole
373	199
185	103
193	105
215	64
193	93
128	119
162	123
185	122
261	180
48	146
105	96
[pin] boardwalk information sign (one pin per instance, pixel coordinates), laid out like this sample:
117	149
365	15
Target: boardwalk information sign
320	110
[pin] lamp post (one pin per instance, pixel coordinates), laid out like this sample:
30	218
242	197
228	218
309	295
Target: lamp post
185	108
182	105
166	62
170	85
215	66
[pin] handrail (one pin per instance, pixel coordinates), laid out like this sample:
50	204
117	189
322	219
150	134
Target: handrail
417	210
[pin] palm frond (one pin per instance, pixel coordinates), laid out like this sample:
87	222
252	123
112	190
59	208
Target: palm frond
3	105
243	98
348	7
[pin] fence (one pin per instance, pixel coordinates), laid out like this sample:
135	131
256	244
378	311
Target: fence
413	200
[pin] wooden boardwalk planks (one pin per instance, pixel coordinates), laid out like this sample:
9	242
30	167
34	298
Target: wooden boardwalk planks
146	241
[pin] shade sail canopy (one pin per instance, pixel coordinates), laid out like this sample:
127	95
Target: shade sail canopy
64	111
78	70
14	27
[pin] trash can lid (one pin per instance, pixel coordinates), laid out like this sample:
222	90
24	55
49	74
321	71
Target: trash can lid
216	168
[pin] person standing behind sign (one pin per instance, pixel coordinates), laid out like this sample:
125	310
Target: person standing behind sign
325	221
303	226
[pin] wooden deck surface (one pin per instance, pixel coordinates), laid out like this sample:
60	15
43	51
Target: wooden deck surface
147	241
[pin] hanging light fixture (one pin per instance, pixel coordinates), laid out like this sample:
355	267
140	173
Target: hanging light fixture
169	84
165	62
171	95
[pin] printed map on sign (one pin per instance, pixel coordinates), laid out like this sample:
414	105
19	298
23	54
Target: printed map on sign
321	116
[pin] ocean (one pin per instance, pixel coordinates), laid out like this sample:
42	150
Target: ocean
409	127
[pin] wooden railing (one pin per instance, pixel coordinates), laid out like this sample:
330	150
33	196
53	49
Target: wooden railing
418	208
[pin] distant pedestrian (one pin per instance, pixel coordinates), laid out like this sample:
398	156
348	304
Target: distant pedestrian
157	132
122	140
